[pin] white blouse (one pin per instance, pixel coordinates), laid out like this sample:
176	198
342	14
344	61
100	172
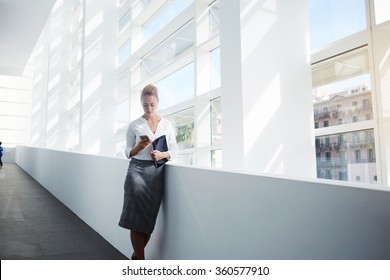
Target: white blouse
140	127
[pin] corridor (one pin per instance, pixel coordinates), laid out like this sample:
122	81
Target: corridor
35	225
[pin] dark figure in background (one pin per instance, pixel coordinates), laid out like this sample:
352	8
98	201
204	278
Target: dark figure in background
1	154
144	180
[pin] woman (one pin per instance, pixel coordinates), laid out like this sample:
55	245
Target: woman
144	181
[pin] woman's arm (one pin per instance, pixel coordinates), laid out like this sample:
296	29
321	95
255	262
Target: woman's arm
132	147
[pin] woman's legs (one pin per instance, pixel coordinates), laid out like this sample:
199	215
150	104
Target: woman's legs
139	241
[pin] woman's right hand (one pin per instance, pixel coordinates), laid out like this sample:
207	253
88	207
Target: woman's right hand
144	143
140	146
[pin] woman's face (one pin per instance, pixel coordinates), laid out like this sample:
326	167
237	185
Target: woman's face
149	104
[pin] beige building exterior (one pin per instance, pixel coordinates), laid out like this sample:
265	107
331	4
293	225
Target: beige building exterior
346	156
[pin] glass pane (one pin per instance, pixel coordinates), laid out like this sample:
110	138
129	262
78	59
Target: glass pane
139	6
382	8
333	106
186	158
214	18
342	90
124	53
122	114
216	122
120	149
166	53
164	15
347	157
124	21
331	20
121	2
215	68
123	88
341	67
183	122
216	158
177	87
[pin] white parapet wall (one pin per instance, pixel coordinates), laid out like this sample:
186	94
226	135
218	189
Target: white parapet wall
8	154
216	214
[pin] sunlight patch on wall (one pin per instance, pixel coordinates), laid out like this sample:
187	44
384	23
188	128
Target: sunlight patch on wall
267	103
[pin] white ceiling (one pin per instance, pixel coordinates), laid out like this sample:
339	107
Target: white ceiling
21	23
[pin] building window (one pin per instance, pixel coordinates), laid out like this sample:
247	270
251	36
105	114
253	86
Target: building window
358	157
326	123
371	155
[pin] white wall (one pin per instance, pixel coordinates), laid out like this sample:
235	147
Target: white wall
210	214
8	154
266	85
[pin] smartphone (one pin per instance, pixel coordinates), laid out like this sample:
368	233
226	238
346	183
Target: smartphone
144	137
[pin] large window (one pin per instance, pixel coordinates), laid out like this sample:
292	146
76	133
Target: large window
342	93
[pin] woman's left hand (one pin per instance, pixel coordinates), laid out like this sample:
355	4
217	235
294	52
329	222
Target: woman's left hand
157	155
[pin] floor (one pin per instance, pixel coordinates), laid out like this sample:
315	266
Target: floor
35	225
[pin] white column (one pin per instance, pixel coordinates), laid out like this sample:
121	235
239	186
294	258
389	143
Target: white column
266	87
231	87
381	47
58	75
99	83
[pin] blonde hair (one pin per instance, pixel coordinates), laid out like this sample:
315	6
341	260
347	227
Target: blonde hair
150	90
